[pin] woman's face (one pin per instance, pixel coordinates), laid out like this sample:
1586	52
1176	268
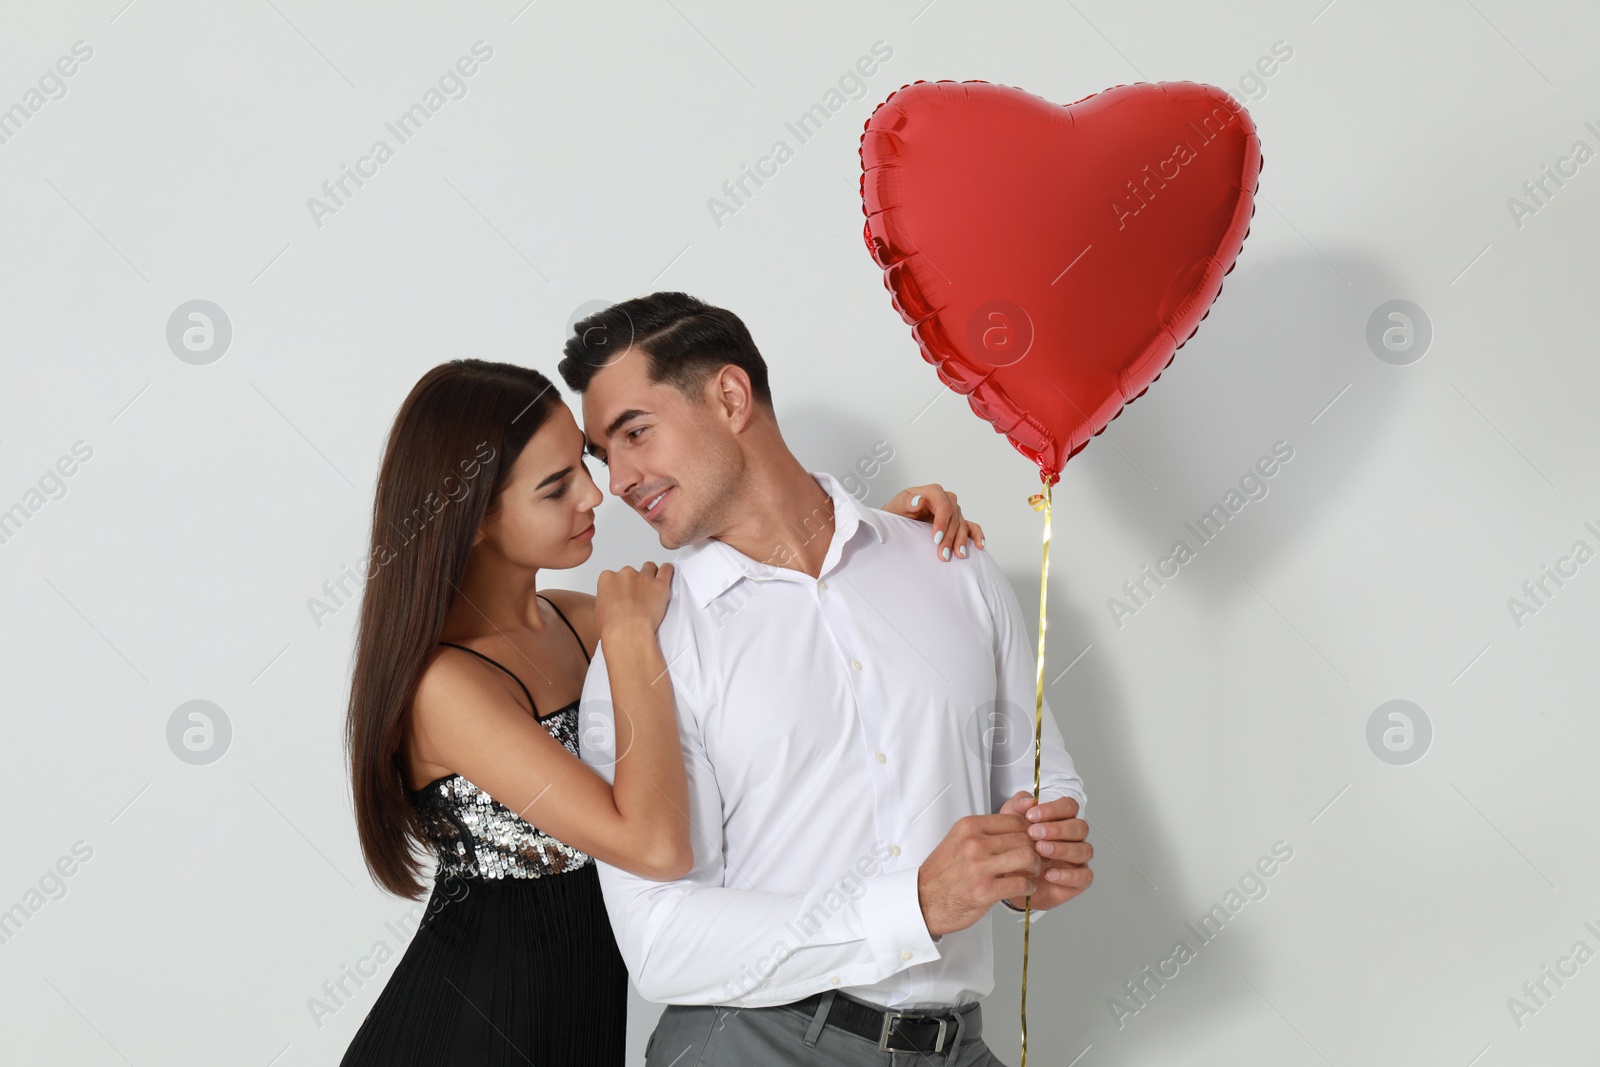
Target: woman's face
544	517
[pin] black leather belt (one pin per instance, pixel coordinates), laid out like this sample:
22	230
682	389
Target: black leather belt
893	1030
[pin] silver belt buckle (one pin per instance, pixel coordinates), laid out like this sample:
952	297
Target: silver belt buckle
888	1021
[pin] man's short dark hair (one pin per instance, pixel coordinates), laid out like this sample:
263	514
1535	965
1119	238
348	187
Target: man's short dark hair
685	341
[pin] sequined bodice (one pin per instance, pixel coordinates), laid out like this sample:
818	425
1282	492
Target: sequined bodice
475	836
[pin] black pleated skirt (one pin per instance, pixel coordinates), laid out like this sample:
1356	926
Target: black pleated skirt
504	971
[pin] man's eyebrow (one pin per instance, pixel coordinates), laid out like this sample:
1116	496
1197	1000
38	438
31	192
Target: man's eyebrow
554	478
616	423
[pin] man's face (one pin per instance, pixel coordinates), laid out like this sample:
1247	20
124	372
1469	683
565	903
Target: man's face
668	457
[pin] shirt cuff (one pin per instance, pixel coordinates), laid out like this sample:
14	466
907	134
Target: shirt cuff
1048	793
1034	914
891	914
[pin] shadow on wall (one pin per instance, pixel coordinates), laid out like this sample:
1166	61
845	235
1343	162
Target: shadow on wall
1285	339
863	456
1287	335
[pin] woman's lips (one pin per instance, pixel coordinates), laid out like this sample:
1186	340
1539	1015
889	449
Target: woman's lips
586	535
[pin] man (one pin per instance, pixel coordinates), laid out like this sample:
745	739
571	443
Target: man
856	717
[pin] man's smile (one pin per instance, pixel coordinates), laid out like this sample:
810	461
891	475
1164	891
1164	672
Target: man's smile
651	506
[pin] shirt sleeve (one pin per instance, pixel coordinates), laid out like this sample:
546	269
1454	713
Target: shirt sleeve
1011	724
712	938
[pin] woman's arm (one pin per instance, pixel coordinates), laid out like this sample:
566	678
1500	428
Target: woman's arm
933	504
467	720
649	785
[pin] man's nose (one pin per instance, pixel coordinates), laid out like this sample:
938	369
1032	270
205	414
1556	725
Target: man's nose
623	481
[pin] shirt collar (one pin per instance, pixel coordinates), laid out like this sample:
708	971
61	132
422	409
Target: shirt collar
710	567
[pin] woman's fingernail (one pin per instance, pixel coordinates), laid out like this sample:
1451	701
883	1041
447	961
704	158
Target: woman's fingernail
915	499
945	552
962	551
938	537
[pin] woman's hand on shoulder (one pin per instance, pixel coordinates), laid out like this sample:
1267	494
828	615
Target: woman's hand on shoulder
632	597
933	504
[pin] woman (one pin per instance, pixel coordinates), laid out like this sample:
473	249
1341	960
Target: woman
463	728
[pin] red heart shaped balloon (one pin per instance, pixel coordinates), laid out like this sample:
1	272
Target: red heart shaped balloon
1052	259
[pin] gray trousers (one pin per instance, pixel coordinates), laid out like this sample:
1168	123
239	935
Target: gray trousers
714	1036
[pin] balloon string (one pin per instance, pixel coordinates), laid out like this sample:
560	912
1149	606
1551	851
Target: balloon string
1039	502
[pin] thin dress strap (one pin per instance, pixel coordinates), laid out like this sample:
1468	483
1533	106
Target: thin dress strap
503	667
557	610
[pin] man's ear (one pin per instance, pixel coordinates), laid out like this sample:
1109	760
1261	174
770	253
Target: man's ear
732	393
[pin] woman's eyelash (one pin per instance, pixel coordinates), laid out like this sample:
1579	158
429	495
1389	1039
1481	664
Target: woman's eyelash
559	493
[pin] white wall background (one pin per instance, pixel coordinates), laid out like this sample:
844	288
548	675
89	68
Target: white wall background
1230	713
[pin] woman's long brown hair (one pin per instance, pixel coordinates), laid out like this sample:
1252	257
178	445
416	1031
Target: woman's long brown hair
450	451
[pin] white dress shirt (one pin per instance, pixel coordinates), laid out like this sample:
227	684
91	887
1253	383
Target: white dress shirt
834	729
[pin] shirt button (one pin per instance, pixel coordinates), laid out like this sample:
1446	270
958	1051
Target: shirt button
834	979
882	758
824	585
856	664
894	850
906	955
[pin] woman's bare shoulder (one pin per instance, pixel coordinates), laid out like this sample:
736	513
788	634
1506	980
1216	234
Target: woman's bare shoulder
564	597
449	677
456	695
579	610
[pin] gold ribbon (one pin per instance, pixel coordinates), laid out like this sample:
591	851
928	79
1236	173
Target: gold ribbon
1039	502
